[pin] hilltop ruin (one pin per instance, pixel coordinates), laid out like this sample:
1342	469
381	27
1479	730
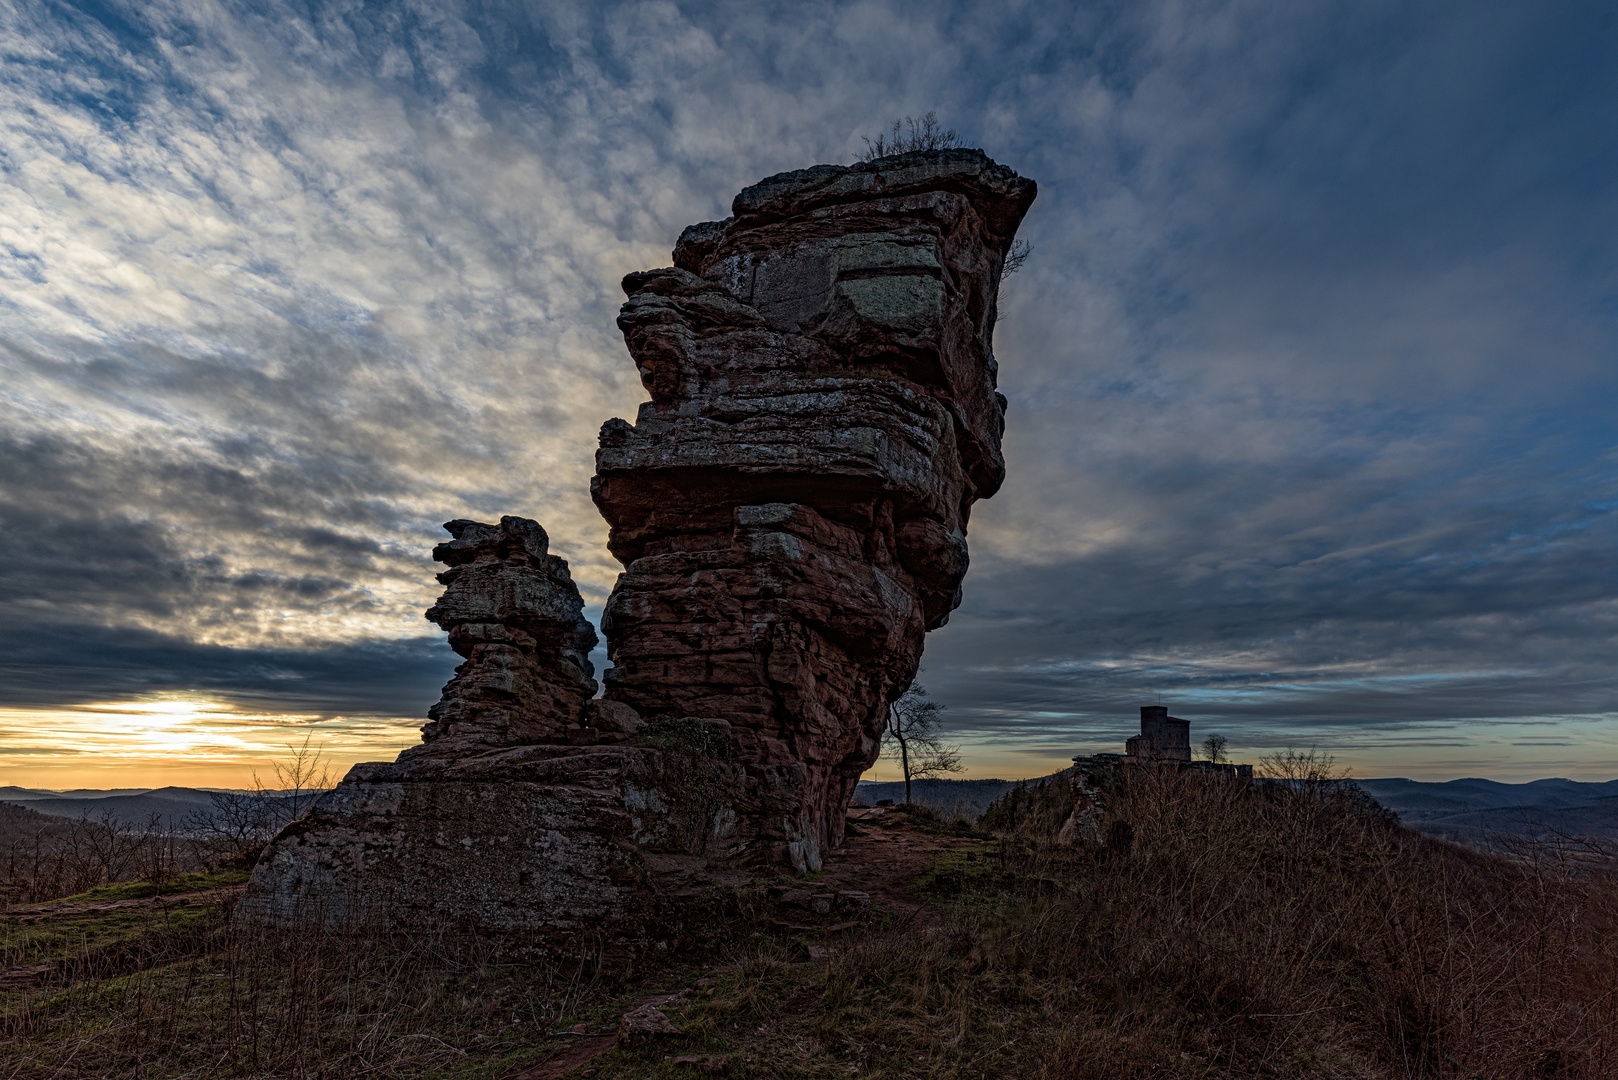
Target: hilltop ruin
790	508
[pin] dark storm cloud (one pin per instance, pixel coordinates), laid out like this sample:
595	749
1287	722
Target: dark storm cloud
1346	460
1311	371
65	666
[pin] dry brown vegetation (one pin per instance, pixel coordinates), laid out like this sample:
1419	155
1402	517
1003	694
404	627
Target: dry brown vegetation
1230	930
1295	930
43	856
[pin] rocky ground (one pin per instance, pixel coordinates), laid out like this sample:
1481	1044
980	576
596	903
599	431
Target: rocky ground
882	877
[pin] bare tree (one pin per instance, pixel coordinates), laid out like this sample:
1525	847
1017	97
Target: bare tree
158	843
102	849
913	735
909	135
239	824
1213	750
1015	257
235	829
303	778
1310	770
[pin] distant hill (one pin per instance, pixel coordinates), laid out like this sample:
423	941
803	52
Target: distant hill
967	798
1468	811
171	805
1473	809
14	794
18	825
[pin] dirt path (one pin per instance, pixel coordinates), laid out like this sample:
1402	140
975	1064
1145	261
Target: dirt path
885	861
586	1045
882	857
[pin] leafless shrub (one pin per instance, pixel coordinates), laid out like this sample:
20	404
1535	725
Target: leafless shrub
44	857
1280	929
1016	255
1549	850
35	864
235	829
63	856
1310	770
909	135
206	996
1292	921
950	809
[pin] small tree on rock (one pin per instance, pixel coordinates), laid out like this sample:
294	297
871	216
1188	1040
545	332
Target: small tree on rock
304	776
910	134
914	737
1213	749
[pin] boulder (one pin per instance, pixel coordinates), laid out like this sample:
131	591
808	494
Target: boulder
512	610
528	810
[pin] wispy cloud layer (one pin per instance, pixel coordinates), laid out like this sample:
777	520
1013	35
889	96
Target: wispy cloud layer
1311	380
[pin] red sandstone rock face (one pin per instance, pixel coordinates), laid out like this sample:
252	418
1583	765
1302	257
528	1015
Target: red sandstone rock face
529	808
511	608
791	510
791	505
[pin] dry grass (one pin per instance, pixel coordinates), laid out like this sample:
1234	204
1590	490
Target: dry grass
1250	931
1240	931
190	994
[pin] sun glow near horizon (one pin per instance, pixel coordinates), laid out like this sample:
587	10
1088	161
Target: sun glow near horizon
179	740
197	740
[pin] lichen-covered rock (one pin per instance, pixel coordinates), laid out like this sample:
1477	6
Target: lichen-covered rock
643	1025
564	846
529	809
791	504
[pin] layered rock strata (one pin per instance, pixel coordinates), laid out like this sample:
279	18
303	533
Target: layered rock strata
528	808
791	510
512	610
791	505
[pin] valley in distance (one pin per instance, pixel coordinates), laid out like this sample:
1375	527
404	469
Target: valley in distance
1472	810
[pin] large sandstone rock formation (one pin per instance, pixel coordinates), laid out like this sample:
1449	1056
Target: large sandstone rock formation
791	505
791	510
528	808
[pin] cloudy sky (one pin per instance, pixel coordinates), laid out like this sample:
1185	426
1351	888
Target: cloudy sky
1312	371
